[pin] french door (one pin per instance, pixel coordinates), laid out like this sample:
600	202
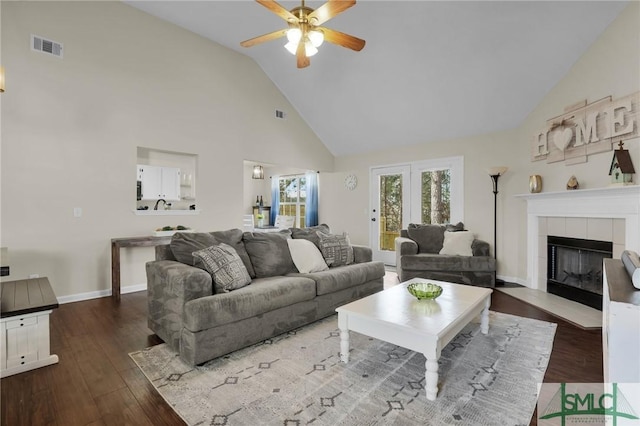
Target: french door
390	209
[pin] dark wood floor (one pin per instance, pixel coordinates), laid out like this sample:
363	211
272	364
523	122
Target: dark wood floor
96	383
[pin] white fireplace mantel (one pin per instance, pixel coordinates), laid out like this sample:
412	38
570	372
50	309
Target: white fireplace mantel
612	202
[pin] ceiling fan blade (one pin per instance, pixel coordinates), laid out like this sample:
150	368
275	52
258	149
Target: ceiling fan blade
278	10
329	10
302	59
266	37
342	39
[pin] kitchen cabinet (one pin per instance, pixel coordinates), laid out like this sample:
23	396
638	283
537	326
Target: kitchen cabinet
159	182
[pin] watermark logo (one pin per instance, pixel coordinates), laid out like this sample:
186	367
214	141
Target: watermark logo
589	403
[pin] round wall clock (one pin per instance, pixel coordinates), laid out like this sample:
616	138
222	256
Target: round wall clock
350	182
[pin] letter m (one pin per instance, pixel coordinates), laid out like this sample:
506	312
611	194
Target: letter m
586	132
585	403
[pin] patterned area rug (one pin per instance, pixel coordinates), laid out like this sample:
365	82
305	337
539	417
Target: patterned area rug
297	378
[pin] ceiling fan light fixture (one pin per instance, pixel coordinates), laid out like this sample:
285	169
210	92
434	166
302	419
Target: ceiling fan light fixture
316	37
309	48
304	26
291	47
294	35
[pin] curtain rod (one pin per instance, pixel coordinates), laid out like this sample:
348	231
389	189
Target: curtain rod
294	174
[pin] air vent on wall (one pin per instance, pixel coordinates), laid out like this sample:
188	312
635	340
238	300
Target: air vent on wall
43	45
280	114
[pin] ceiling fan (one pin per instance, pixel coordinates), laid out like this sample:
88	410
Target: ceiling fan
305	34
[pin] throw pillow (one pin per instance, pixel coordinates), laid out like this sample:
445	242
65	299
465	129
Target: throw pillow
428	237
336	249
454	228
310	233
233	237
457	243
269	253
183	244
224	264
306	256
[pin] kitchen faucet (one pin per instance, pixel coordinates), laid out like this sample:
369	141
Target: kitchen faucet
156	206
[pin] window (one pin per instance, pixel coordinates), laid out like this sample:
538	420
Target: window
390	210
437	192
293	198
436	196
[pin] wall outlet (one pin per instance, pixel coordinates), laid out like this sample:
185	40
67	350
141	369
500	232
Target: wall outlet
34	275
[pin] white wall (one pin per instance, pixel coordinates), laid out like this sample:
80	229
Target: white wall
611	66
71	127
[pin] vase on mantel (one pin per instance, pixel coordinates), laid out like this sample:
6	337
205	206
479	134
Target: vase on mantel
535	184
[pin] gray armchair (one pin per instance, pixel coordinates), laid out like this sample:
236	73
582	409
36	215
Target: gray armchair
418	255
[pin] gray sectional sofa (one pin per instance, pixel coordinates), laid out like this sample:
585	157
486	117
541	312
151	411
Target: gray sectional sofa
418	256
186	312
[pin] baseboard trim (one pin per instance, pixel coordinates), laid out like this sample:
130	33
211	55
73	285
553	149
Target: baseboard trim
512	280
100	293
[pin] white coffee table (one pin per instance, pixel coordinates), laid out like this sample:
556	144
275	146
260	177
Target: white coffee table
425	326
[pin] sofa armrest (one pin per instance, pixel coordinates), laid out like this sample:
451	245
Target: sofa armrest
362	254
170	284
406	246
480	248
181	280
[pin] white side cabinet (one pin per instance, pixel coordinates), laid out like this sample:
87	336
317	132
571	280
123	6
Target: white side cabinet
24	326
620	325
26	343
159	182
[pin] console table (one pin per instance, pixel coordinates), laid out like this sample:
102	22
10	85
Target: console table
116	244
25	306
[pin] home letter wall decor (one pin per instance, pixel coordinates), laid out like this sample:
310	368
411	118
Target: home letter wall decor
585	129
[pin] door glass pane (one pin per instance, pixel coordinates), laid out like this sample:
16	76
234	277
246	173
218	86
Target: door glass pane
390	210
436	196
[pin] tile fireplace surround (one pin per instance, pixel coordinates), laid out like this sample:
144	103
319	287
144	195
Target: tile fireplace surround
608	214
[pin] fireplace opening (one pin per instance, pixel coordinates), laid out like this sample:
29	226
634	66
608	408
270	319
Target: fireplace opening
574	268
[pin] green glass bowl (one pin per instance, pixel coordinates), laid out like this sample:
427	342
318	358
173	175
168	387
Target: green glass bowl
424	290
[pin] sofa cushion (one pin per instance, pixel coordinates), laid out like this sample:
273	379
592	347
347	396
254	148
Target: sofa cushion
445	262
306	256
310	233
342	277
428	237
336	249
183	244
457	243
269	253
233	237
263	295
226	267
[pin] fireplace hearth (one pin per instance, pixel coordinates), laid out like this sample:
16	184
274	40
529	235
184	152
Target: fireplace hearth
574	268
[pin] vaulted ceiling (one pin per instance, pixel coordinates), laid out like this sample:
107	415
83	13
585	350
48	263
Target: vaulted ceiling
430	71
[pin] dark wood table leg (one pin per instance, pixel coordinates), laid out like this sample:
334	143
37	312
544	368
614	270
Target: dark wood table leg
115	270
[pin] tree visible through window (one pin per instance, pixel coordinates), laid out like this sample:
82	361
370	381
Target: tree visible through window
293	198
390	210
436	196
